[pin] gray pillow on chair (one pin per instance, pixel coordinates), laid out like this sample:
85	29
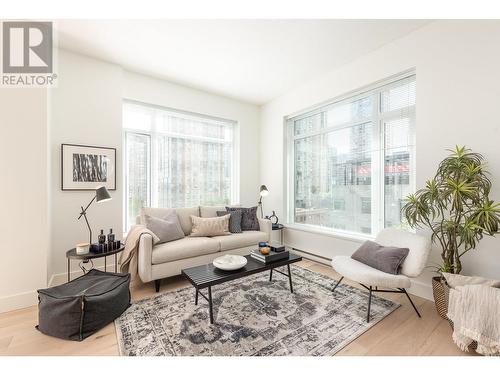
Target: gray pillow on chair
387	259
167	229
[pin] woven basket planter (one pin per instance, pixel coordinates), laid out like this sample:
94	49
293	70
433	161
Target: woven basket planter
441	292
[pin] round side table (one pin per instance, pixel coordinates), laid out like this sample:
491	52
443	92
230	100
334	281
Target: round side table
86	258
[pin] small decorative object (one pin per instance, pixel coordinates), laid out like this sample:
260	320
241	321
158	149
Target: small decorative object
111	237
262	244
277	247
265	250
87	167
118	244
274	219
83	248
263	193
101	239
101	195
230	262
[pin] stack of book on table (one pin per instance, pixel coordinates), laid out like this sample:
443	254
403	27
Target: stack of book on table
271	257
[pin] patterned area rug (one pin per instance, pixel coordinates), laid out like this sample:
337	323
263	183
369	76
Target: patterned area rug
252	317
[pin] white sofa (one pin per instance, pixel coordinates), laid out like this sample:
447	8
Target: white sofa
168	259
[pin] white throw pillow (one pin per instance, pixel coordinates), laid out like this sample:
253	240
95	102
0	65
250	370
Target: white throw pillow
454	280
210	226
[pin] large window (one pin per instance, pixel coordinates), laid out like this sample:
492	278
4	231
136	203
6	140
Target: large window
350	163
175	159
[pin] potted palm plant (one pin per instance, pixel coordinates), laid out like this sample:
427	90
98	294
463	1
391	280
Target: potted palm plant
455	206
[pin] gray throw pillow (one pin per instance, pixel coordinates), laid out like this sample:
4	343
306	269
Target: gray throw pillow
234	220
167	229
384	258
249	219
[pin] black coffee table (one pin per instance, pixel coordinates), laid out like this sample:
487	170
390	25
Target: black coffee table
207	276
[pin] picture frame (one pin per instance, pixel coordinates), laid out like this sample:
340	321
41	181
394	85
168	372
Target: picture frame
87	167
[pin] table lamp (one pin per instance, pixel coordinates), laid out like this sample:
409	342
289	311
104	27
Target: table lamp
263	193
101	195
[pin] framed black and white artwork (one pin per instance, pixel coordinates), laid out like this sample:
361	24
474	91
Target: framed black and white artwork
87	167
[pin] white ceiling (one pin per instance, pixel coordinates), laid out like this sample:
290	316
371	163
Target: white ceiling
251	60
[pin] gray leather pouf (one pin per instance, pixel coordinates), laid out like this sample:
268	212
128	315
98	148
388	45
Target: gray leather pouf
77	309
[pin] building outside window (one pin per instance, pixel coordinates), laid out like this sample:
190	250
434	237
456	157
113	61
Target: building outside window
175	159
358	151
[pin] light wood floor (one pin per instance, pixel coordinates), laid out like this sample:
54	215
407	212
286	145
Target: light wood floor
401	333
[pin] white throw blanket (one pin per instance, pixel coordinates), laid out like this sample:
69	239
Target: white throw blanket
128	258
475	312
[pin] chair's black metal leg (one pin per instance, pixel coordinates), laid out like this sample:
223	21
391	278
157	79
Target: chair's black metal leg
196	297
157	285
338	282
210	306
414	307
290	278
271	275
369	305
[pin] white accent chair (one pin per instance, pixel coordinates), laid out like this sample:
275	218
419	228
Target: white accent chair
373	279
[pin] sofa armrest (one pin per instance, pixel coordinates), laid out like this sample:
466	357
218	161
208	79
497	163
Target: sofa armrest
266	226
145	257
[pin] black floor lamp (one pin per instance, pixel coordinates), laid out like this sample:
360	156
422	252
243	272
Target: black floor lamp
101	195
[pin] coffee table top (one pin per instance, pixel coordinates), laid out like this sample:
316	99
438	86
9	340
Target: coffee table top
208	274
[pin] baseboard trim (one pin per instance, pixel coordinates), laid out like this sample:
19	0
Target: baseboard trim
418	288
61	278
18	301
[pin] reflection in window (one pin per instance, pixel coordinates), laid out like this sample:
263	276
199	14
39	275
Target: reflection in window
348	154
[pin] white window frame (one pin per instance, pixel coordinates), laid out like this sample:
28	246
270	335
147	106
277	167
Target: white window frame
378	120
153	134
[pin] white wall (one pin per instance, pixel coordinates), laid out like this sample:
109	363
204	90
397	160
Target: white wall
87	109
458	91
24	227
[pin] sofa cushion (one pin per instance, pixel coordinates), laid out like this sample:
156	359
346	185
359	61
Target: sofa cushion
234	220
186	247
238	240
166	229
184	215
210	226
210	211
249	219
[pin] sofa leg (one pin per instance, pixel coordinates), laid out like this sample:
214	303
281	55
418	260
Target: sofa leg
157	285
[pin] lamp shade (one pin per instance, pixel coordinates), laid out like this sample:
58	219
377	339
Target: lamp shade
263	191
102	194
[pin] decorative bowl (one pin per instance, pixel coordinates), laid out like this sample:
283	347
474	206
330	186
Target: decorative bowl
265	250
230	262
